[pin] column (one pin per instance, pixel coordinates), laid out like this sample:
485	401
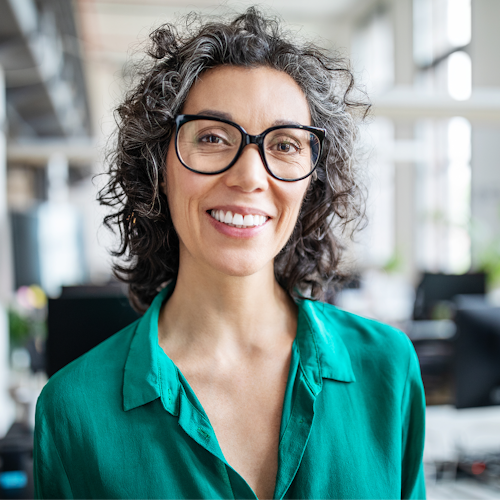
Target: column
402	16
485	163
6	405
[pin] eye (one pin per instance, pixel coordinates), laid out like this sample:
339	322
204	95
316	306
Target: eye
286	147
214	135
211	139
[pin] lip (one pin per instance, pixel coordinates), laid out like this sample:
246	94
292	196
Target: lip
237	232
239	210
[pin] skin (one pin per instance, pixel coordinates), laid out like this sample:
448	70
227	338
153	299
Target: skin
228	325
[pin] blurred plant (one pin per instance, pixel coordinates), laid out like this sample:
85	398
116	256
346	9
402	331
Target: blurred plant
394	264
488	244
27	315
19	328
489	262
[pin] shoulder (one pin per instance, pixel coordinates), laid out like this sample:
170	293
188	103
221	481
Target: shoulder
89	379
370	343
363	331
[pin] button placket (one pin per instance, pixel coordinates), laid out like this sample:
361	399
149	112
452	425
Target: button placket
295	438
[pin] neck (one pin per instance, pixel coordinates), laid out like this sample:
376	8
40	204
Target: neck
213	314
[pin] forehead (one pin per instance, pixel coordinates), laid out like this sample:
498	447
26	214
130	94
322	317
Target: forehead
256	98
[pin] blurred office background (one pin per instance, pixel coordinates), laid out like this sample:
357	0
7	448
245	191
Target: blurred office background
429	261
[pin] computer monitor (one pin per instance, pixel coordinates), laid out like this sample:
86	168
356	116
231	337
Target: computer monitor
81	319
434	289
477	357
25	244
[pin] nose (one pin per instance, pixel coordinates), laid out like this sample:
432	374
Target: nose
248	173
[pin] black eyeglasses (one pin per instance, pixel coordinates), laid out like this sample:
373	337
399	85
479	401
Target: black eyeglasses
209	145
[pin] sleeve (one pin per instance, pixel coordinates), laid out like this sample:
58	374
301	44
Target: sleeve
413	435
50	478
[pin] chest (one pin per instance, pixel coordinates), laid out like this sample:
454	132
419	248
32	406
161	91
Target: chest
349	451
245	412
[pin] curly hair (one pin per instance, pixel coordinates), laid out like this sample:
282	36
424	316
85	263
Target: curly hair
149	245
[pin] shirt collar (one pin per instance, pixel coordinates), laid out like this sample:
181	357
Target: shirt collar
149	374
323	353
141	380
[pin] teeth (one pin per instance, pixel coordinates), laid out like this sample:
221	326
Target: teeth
238	220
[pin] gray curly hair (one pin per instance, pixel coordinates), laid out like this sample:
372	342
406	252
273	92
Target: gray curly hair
149	246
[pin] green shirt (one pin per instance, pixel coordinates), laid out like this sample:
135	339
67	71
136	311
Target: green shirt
122	421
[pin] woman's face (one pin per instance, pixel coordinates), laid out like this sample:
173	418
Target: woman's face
256	99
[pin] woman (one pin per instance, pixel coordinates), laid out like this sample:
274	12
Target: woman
233	162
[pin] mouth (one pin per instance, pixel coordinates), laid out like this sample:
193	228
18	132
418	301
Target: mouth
238	220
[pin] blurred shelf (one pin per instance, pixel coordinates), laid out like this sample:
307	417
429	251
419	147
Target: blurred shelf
410	103
38	152
461	489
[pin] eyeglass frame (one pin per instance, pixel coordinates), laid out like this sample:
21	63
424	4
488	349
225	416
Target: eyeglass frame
247	139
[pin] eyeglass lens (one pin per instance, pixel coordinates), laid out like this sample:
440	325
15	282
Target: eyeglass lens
209	146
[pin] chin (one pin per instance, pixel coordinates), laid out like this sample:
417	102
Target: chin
239	266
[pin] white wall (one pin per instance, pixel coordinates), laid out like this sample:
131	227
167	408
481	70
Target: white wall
485	136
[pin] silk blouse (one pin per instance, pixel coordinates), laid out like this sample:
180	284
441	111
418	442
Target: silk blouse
122	421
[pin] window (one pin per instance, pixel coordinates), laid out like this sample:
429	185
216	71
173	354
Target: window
442	32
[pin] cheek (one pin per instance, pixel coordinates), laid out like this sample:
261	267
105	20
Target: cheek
177	189
293	199
185	190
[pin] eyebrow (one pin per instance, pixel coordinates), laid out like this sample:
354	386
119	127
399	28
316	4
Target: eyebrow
216	114
227	116
286	122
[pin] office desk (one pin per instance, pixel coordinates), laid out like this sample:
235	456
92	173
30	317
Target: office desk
452	434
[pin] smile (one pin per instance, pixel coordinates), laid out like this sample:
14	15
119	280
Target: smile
238	220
